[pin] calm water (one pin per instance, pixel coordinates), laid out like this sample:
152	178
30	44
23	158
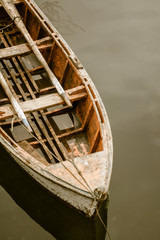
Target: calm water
118	42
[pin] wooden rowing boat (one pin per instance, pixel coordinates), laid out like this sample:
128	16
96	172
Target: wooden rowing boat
67	147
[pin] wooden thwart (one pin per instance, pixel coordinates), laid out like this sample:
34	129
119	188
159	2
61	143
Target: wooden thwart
43	102
23	49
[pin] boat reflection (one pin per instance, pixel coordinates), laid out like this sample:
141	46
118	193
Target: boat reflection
53	215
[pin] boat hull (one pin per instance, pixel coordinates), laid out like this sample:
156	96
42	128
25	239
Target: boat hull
81	202
91	113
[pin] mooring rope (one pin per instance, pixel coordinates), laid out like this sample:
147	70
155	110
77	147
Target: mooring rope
101	220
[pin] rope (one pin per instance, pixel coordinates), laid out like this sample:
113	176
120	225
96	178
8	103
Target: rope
1	29
98	214
79	172
16	18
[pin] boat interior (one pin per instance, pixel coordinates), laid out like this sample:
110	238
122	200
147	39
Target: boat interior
65	132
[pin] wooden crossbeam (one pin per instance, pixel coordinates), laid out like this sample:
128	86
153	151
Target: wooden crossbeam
37	70
20	71
33	71
24	48
15	2
43	102
67	134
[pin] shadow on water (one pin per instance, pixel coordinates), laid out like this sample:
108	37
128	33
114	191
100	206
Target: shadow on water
53	215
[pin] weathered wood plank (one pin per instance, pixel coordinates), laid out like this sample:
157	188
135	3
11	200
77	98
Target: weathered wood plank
67	134
43	102
36	70
47	101
15	2
94	141
58	111
23	49
31	150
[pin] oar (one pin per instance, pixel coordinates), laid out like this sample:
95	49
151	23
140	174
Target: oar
14	102
15	16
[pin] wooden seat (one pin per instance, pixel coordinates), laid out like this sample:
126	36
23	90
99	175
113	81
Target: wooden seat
23	49
46	101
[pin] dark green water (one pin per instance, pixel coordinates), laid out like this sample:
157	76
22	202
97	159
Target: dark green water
118	42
